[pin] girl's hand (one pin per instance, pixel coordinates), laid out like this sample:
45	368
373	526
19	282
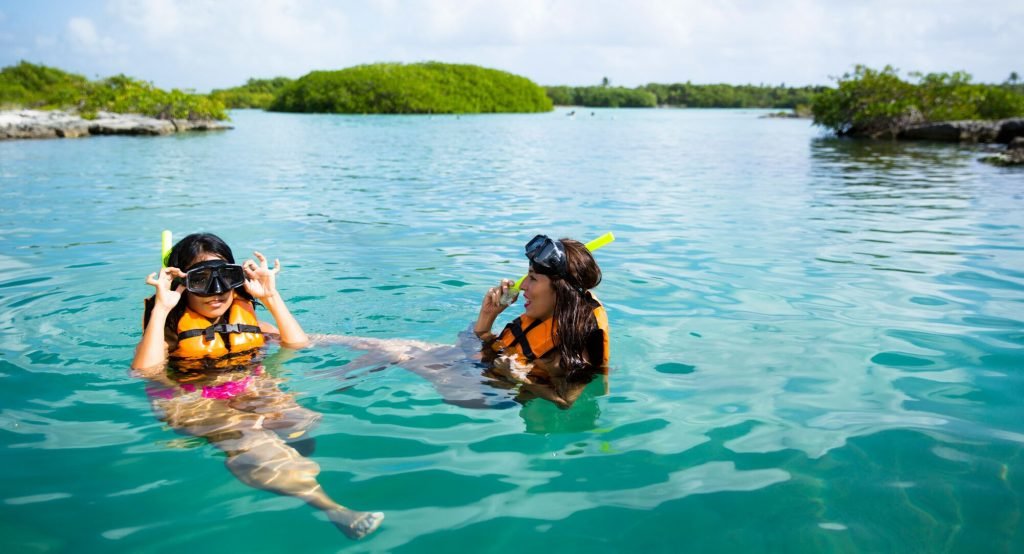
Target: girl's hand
492	304
166	298
260	280
491	307
510	368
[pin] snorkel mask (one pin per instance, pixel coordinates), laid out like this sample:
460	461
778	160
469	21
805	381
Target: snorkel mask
547	256
213	277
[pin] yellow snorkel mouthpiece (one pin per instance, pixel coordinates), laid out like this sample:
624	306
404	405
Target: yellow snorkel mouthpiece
165	247
600	241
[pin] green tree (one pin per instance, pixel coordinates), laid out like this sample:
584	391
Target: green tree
876	103
255	93
429	87
38	86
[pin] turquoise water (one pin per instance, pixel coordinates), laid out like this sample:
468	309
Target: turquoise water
817	345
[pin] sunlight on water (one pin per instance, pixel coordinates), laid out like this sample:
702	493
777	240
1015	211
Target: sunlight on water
817	344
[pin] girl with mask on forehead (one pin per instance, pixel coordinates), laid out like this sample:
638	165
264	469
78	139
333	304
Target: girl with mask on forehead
203	317
552	351
560	342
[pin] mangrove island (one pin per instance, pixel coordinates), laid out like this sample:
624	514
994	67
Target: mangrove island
419	88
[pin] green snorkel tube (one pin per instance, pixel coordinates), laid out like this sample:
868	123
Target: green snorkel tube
600	241
165	248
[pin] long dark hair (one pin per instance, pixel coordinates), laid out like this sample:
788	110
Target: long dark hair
182	255
574	311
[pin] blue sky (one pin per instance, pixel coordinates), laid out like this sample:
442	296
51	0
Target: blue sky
210	44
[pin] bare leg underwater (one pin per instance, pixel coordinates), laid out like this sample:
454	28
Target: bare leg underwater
252	430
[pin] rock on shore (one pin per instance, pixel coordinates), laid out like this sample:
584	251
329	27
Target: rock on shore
1014	154
1002	131
21	124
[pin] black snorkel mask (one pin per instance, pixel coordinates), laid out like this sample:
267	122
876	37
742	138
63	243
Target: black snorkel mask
547	256
213	277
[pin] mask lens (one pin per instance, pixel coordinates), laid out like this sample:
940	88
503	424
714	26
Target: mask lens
199	280
535	244
232	276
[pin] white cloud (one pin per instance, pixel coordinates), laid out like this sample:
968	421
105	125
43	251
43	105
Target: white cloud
82	34
232	40
203	44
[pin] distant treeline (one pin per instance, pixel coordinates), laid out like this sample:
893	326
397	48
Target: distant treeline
870	102
255	93
685	95
602	97
419	88
866	102
38	86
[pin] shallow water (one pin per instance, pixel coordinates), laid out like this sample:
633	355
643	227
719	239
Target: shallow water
817	344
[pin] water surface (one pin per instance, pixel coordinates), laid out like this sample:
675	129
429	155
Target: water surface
817	344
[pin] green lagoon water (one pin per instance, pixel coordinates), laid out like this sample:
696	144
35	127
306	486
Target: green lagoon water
818	345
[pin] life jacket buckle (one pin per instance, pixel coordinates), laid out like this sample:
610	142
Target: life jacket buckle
219	328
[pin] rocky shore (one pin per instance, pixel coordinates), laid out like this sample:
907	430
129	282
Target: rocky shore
1014	154
30	124
1003	131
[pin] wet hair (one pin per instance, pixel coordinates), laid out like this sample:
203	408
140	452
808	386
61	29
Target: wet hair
191	247
574	311
183	255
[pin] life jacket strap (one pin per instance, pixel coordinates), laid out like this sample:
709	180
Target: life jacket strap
225	328
519	337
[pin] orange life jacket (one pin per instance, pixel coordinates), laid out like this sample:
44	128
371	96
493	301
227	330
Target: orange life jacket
199	338
529	339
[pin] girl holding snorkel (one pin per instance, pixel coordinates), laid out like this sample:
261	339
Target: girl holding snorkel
553	350
560	342
203	318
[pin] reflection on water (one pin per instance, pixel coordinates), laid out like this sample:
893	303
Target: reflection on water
816	343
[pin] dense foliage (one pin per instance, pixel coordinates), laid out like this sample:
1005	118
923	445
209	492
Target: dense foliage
38	86
870	102
732	96
602	97
685	95
255	93
420	88
33	85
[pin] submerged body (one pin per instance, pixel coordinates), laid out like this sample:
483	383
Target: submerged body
204	320
262	430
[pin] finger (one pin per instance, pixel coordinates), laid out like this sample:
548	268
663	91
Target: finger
277	266
180	288
175	272
151	279
261	258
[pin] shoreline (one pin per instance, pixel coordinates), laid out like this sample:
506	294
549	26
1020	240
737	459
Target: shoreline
44	124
